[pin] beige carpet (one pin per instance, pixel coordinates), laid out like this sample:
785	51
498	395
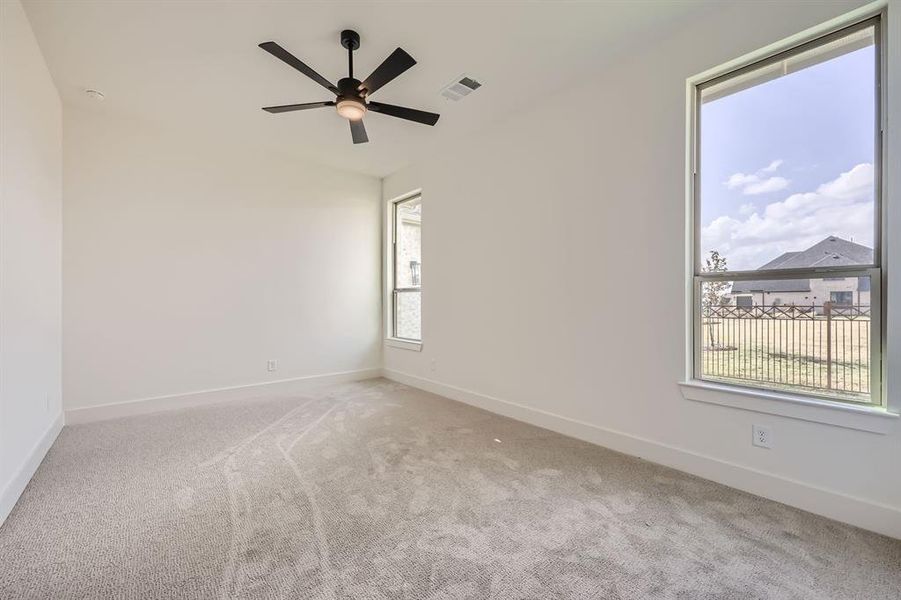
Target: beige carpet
376	490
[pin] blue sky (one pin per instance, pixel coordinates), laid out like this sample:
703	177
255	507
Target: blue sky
786	163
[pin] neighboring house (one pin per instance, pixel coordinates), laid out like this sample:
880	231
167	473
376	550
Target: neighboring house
832	251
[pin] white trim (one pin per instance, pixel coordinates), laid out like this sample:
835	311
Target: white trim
403	344
891	187
859	512
19	481
874	419
388	267
867	11
252	391
405	196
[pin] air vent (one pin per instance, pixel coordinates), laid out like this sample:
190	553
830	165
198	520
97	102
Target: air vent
460	88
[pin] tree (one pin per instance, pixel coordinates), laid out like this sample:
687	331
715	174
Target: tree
713	292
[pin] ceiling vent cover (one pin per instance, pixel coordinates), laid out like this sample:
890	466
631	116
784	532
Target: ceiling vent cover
460	88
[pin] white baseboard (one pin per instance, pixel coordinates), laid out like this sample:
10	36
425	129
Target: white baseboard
262	390
861	513
16	485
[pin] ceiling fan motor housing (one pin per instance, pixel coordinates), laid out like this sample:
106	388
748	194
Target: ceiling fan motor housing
349	87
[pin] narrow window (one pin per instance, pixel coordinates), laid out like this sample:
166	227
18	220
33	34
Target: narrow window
407	255
787	211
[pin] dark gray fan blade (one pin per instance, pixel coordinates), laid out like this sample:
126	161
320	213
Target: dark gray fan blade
401	112
394	65
292	107
358	132
285	56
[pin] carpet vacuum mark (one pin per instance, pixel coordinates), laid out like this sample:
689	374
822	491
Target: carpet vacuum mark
375	490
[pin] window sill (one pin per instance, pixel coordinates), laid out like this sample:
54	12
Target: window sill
862	418
404	344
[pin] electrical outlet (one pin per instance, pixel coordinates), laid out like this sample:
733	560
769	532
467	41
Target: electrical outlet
271	365
762	436
433	365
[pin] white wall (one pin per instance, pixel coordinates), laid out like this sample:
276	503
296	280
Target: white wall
576	209
30	233
188	263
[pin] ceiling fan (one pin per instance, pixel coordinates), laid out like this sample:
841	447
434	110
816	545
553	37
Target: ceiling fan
352	95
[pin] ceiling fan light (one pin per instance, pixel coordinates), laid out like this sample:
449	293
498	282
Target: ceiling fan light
352	110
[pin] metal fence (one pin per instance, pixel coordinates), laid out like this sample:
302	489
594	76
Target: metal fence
823	348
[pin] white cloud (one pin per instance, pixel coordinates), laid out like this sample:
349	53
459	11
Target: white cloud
773	184
747	209
740	180
842	207
771	168
850	185
755	183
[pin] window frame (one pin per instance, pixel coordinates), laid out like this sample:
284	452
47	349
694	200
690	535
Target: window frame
875	271
392	338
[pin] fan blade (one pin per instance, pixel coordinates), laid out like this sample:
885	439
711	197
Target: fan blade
292	107
394	65
285	56
358	132
402	112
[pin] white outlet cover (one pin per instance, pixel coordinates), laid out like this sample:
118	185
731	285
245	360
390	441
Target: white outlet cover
271	365
762	436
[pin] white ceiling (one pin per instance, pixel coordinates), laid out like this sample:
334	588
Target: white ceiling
195	65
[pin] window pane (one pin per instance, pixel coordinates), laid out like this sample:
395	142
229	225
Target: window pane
787	160
407	315
408	269
408	260
800	335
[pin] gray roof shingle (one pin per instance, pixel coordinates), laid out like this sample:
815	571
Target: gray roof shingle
830	252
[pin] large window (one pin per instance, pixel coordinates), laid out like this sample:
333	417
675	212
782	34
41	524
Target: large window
787	211
407	266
